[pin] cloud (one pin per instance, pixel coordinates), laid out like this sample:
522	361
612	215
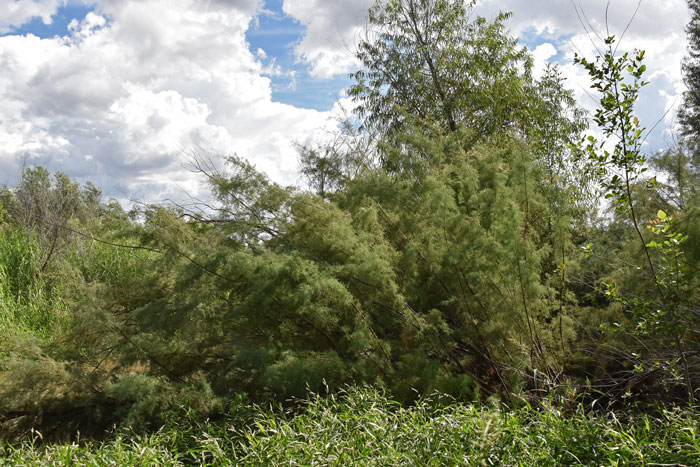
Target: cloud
132	86
332	30
560	17
658	28
541	56
15	13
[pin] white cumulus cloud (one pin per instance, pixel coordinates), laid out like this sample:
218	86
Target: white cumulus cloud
15	13
133	86
333	28
658	27
541	56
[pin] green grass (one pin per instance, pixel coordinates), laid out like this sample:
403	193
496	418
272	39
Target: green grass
25	307
364	427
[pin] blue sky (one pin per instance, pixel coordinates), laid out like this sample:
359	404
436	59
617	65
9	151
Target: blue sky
120	92
58	25
276	33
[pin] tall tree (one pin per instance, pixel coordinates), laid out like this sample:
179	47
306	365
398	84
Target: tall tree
428	59
689	112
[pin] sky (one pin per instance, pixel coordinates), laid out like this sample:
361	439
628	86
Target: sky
119	92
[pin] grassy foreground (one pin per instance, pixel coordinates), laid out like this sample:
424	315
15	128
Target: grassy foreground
363	427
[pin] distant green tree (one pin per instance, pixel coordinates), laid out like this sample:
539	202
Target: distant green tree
679	186
44	204
689	111
329	165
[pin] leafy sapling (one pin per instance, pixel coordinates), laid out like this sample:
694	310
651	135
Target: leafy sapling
619	167
617	163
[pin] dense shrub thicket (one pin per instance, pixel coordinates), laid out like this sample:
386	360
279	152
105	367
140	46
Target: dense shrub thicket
450	239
